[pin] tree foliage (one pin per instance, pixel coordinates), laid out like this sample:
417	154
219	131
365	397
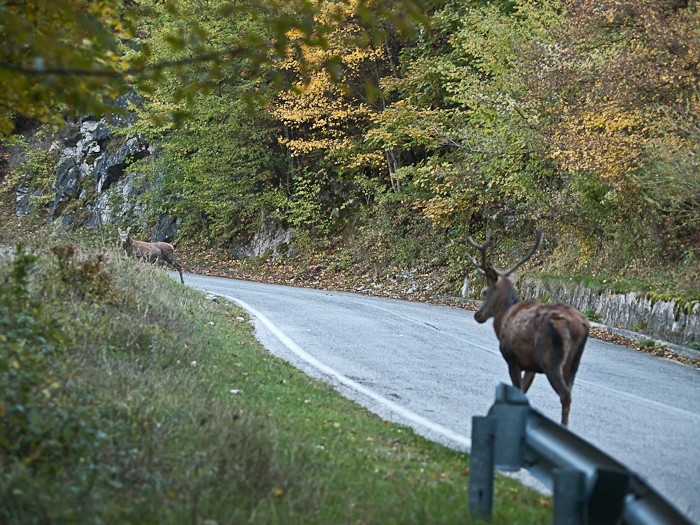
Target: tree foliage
74	54
217	165
582	116
55	52
570	114
621	100
324	112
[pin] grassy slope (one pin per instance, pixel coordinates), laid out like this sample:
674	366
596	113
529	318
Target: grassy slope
155	405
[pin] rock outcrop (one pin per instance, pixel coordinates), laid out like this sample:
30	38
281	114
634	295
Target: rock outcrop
93	185
92	167
271	239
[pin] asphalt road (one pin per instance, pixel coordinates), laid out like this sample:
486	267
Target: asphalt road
433	367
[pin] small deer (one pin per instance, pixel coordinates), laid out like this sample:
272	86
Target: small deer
534	337
149	251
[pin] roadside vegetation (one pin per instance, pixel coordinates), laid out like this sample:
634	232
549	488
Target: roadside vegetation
379	135
504	114
382	133
128	398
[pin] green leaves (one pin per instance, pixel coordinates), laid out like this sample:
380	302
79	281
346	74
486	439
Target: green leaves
55	52
217	170
77	52
464	110
31	400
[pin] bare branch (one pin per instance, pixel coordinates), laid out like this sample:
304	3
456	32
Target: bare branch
110	73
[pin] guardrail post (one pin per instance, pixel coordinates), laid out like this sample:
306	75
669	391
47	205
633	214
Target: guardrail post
481	470
607	498
511	410
589	486
569	505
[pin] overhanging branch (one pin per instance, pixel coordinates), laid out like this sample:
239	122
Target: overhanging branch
111	73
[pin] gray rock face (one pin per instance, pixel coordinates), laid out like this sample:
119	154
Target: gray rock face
67	184
270	238
23	203
117	205
92	172
166	229
109	168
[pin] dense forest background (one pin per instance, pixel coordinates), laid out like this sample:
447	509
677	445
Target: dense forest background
386	132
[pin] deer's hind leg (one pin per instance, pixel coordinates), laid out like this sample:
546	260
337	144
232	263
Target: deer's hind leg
556	379
172	262
553	351
572	367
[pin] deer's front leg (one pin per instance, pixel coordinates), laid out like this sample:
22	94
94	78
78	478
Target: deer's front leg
528	377
514	371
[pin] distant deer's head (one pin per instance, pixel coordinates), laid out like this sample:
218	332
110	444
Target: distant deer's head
499	293
124	235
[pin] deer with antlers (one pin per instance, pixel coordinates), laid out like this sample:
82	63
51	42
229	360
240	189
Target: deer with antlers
534	337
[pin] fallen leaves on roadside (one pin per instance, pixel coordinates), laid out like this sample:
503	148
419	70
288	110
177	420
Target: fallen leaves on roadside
657	350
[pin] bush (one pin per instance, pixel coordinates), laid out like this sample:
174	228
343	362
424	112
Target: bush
31	407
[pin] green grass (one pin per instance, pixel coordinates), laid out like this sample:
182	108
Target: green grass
131	399
647	343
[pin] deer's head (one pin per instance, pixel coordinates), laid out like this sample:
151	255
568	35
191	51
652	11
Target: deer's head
499	293
124	235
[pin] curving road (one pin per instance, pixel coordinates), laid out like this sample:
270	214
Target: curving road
433	367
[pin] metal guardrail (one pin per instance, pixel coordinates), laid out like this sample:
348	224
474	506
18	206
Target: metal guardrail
589	486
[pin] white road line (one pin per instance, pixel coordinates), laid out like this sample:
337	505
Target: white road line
405	414
423	323
656	404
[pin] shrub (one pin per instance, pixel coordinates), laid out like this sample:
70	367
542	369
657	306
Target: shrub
31	402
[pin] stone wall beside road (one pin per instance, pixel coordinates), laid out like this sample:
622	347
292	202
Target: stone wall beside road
659	319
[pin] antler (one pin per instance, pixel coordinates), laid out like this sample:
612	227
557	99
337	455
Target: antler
538	240
482	248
